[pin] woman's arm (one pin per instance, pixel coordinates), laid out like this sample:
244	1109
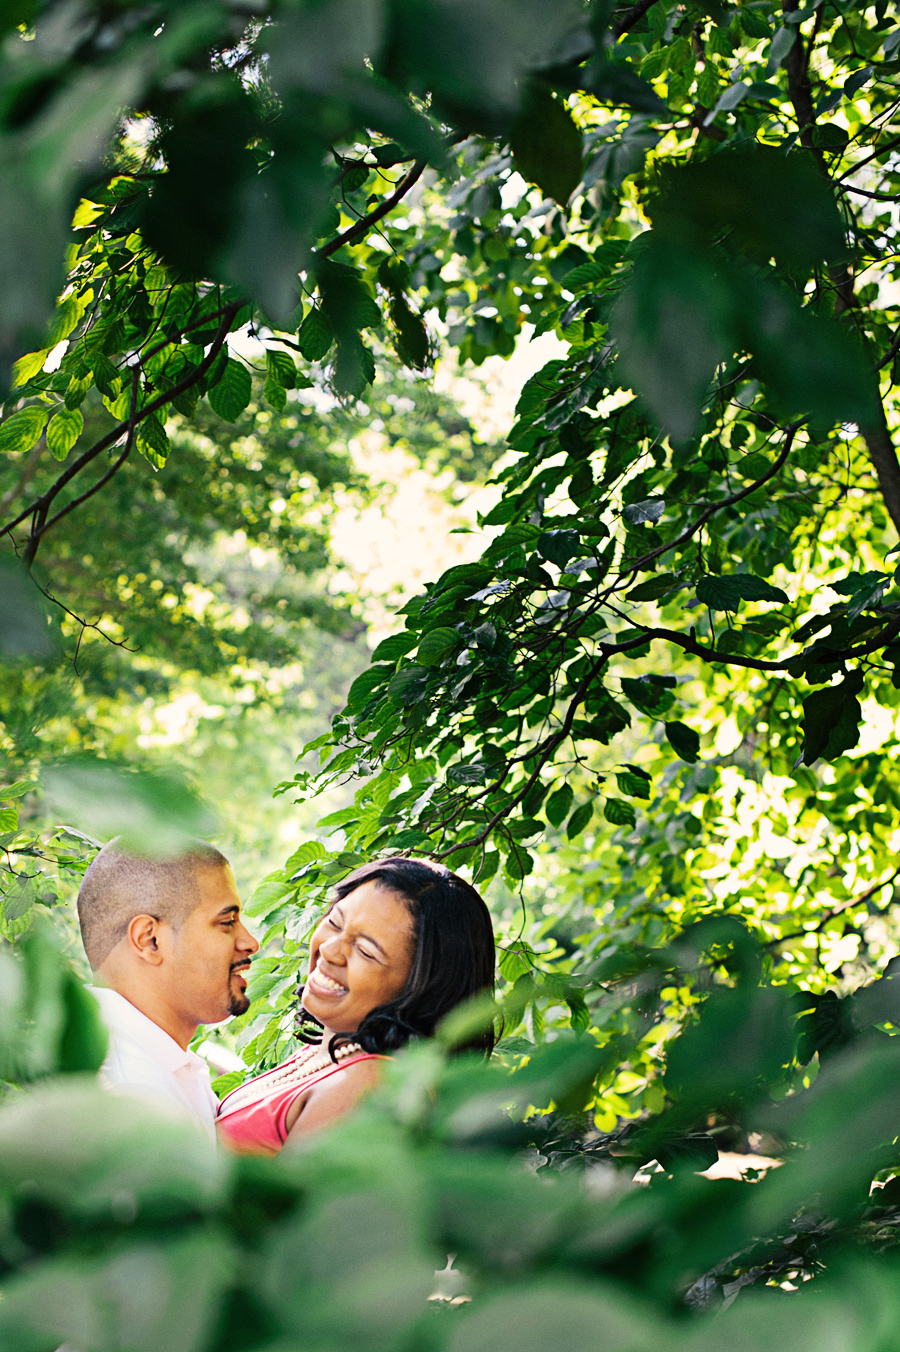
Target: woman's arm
331	1099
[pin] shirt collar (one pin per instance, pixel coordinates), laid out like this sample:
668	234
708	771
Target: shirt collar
125	1019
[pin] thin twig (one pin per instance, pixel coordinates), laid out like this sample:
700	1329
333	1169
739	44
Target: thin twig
629	19
35	537
835	912
360	227
39	507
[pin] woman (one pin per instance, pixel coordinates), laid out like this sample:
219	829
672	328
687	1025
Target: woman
404	942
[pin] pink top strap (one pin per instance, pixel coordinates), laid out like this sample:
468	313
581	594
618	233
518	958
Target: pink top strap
260	1124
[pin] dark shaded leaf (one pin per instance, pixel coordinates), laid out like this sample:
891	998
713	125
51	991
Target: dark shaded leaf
726	593
579	820
618	812
315	335
683	741
650	510
408	685
558	804
232	394
546	144
654	587
436	645
831	719
559	546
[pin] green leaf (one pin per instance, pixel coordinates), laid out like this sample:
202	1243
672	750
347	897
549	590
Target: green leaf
831	719
651	509
753	466
19	898
394	647
64	429
557	806
545	142
410	839
652	697
223	1084
864	590
559	546
274	394
579	820
232	394
614	81
106	376
436	645
9	819
726	593
579	1013
366	684
408	686
673	290
683	741
315	335
152	441
28	366
411	336
473	773
354	368
618	812
485	869
655	587
155	813
281	367
518	863
633	783
21	430
76	391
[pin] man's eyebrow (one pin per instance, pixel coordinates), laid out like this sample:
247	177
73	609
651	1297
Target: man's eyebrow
233	909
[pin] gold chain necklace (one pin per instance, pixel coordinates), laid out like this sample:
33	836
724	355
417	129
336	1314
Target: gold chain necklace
301	1067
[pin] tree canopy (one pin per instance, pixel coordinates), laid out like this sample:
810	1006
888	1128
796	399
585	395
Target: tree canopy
656	717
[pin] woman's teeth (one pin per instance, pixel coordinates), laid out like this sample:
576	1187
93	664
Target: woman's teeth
327	984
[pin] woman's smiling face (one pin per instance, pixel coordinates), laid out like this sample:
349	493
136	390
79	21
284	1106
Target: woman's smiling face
359	957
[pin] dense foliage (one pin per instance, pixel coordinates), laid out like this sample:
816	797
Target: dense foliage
656	717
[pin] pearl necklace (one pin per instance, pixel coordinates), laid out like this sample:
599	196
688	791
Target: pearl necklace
300	1067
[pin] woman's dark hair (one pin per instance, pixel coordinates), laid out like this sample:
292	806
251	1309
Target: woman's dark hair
453	954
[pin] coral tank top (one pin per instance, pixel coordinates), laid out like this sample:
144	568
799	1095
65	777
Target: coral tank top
259	1125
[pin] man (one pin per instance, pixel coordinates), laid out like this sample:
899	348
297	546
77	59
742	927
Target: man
169	952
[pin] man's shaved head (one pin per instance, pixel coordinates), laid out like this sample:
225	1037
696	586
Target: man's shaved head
118	886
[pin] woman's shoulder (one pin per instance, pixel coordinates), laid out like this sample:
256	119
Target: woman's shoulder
334	1093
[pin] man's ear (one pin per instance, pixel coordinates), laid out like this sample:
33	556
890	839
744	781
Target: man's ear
142	937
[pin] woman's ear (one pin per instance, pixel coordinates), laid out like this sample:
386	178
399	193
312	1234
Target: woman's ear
142	937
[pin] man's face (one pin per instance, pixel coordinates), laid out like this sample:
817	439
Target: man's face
207	957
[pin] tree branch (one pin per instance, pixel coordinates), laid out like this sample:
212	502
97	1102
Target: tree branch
631	17
714	507
38	509
34	539
361	226
883	455
543	751
835	912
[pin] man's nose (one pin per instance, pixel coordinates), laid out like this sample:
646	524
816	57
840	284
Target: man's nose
246	941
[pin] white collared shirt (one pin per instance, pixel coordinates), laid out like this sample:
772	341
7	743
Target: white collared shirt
143	1061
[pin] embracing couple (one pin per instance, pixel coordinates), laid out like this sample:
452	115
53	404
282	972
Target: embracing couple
401	945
